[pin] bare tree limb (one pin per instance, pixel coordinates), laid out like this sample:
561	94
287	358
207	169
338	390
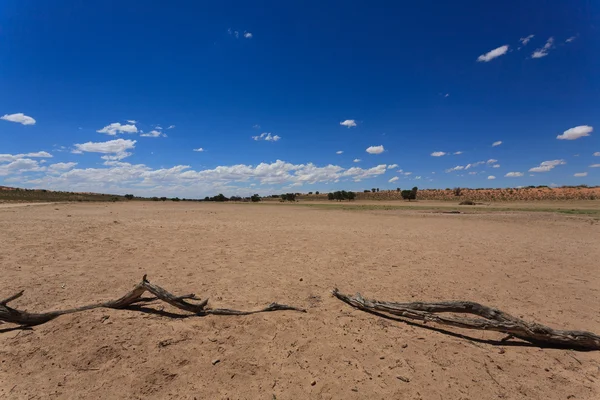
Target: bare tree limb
15	316
493	320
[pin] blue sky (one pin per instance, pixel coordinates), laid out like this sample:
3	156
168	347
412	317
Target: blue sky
271	91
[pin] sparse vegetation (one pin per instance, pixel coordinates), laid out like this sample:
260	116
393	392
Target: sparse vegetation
341	195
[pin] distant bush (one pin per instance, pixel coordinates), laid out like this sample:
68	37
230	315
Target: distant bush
409	194
288	197
457	191
255	198
129	196
341	195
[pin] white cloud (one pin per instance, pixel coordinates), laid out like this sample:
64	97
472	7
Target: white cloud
392	166
576	133
19	166
526	39
339	152
256	126
158	127
113	149
153	133
447	95
357	160
597	154
514	174
543	52
456	153
547	166
496	166
580	174
375	149
490	55
569	40
491	161
116	127
348	123
417	177
457	168
60	167
267	136
19	118
171	127
491	177
407	173
14	157
438	154
472	173
476	164
595	166
394	179
248	35
498	143
199	149
131	121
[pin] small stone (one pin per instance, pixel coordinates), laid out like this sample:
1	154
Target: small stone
313	383
301	279
502	351
546	369
215	361
403	378
382	358
354	389
404	346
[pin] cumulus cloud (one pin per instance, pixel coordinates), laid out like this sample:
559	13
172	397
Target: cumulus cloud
438	154
348	123
580	174
491	177
456	153
547	166
526	39
199	149
375	149
543	52
248	35
20	166
597	154
498	143
496	166
394	179
267	136
132	121
19	118
112	150
357	160
407	173
339	152
576	132
491	161
490	55
153	133
514	174
116	127
392	166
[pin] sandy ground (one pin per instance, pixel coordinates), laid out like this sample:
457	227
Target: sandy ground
540	266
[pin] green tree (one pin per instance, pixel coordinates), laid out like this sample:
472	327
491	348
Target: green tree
129	196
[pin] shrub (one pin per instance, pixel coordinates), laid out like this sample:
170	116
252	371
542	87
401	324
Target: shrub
129	196
317	192
457	191
255	198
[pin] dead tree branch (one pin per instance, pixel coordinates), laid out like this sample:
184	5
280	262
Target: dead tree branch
492	320
15	316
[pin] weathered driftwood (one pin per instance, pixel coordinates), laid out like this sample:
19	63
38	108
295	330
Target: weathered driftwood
9	314
493	320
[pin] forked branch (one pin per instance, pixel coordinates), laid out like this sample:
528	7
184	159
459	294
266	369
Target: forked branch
197	307
492	320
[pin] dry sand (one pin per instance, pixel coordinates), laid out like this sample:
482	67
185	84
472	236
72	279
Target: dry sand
542	267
